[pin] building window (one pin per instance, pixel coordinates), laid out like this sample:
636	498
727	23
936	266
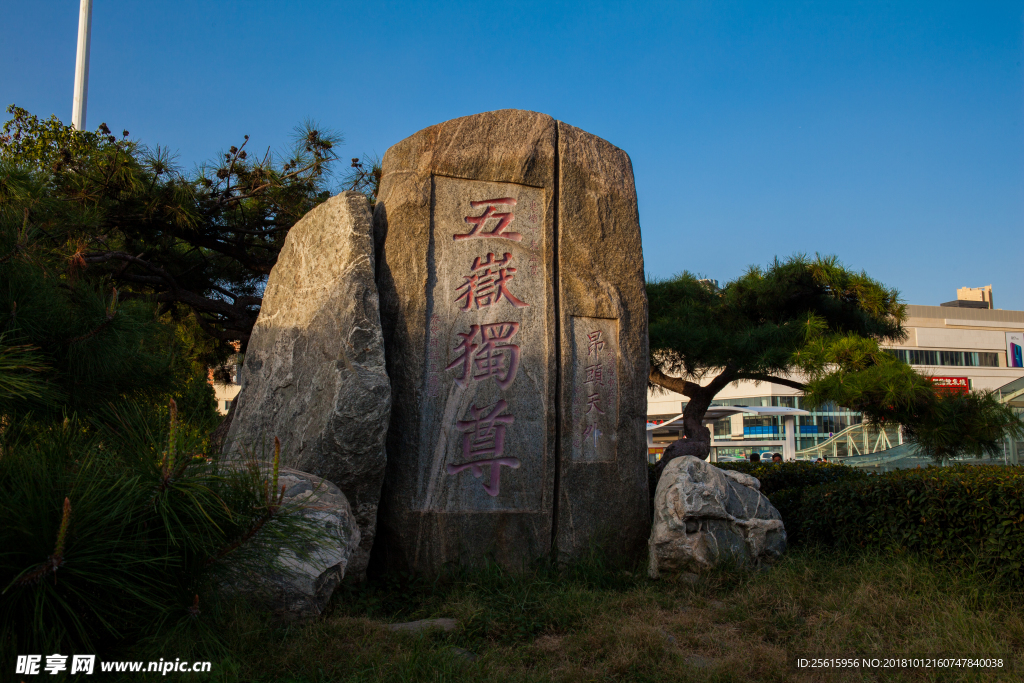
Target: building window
761	427
962	359
723	427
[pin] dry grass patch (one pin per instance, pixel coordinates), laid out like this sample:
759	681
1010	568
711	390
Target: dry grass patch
606	625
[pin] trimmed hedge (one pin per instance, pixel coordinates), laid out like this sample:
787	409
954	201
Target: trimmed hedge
967	515
971	516
784	485
775	477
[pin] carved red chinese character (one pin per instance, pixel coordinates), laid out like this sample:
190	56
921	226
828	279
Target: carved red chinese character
493	356
484	435
494	485
595	374
594	343
504	219
488	283
594	403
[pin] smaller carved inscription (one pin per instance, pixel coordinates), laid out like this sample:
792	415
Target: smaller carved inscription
595	389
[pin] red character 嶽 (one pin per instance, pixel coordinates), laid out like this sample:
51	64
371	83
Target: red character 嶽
488	283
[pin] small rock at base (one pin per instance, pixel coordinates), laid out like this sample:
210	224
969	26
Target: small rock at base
704	516
424	624
298	588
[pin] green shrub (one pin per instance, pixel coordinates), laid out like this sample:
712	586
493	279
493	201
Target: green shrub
967	515
781	476
122	530
785	483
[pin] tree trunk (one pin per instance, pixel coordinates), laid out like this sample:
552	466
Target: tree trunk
697	437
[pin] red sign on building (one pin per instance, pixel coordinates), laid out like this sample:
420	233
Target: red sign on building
955	385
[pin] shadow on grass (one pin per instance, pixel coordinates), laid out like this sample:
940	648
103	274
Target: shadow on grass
597	621
492	602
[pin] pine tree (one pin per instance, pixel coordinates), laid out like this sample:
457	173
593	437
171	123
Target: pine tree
813	325
127	217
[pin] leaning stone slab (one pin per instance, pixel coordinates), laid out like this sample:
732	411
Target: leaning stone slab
704	515
314	371
515	321
302	588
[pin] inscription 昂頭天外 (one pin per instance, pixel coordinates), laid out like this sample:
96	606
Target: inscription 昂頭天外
595	389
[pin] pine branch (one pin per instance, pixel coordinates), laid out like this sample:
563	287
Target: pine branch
800	386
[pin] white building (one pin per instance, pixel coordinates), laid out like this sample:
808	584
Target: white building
962	343
226	393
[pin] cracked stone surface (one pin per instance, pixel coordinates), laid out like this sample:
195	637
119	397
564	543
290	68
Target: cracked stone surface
743	479
704	515
314	371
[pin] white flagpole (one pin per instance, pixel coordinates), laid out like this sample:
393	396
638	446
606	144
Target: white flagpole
82	65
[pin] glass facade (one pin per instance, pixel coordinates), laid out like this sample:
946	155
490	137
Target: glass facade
820	425
960	359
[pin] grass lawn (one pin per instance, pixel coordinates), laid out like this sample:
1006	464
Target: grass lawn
596	624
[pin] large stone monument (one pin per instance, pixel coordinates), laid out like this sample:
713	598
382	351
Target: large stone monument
314	369
511	279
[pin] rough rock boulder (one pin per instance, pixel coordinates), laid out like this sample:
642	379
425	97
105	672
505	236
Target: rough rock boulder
314	371
302	588
704	515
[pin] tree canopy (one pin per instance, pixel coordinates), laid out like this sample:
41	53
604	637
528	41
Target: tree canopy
810	324
121	276
125	215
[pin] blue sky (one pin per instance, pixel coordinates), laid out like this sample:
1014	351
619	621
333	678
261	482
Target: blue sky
888	133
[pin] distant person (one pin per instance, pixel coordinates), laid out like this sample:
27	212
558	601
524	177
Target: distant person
755	457
776	457
818	461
